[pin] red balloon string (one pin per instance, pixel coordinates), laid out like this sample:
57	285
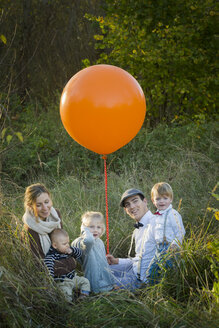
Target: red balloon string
107	217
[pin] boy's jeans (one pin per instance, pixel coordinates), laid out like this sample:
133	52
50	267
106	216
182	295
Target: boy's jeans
161	261
125	277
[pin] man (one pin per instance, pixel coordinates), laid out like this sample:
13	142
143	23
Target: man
130	273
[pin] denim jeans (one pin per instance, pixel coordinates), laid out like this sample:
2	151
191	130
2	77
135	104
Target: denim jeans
125	277
160	262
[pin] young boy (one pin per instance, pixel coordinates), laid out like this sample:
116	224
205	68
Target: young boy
61	249
166	228
94	262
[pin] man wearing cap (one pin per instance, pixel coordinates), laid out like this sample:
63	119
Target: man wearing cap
130	273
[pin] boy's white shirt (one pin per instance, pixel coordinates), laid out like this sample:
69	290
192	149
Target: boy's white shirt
174	227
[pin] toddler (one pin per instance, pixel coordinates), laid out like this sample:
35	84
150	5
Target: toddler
94	263
166	228
60	249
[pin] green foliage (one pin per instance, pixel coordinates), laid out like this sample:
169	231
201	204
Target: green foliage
28	296
43	43
213	257
46	147
3	39
119	309
179	155
170	47
7	132
186	297
8	137
48	150
213	247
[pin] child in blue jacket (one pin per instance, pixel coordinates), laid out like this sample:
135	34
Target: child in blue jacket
94	263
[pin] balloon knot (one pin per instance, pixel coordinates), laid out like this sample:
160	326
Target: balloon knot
104	157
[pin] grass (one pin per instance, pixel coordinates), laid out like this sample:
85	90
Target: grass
30	299
186	297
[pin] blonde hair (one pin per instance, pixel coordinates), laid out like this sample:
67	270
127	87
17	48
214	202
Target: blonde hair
90	216
56	233
161	188
31	193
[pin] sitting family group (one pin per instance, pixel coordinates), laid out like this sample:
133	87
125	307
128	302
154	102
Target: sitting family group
157	236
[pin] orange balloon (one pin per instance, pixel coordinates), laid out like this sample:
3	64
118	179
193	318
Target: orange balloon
102	107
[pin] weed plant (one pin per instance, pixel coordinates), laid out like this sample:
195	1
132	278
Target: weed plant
186	157
183	298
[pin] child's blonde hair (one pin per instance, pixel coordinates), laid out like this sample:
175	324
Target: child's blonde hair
161	188
90	216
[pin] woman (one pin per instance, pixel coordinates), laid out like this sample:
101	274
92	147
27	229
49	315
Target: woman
40	219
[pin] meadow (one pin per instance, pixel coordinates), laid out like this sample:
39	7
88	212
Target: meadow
169	47
185	157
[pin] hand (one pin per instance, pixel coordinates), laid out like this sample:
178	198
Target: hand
111	259
69	251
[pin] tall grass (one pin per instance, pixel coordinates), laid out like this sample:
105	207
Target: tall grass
185	297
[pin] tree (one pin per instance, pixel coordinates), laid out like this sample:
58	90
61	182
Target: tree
46	41
170	47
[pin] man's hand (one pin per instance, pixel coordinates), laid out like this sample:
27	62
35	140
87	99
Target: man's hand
111	259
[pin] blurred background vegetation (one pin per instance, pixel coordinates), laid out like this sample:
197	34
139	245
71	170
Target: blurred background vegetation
171	48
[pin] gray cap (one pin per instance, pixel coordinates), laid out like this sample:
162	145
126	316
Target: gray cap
128	193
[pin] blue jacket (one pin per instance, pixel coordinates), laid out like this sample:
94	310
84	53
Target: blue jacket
95	266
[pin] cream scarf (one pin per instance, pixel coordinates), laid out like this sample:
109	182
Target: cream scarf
43	228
